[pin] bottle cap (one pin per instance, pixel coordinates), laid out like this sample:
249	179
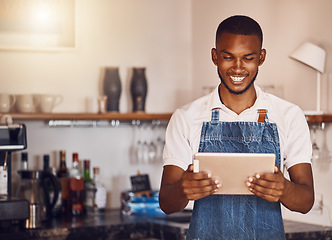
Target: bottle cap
96	170
24	156
86	163
75	157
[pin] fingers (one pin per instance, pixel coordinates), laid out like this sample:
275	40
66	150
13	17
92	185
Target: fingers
198	185
196	193
269	186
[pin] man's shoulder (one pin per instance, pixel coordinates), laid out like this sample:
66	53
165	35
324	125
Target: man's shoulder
282	107
194	110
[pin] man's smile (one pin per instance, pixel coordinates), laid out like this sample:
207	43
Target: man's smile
237	79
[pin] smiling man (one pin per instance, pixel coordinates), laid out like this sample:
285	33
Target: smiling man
238	117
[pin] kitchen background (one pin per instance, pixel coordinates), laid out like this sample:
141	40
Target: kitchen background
172	39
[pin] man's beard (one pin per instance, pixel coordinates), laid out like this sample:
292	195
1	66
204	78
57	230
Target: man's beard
237	92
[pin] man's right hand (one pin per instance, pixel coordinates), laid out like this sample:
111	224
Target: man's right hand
198	185
179	186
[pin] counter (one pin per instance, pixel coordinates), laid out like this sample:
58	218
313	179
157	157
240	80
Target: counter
112	225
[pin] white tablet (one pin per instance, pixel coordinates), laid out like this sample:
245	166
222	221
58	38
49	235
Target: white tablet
233	169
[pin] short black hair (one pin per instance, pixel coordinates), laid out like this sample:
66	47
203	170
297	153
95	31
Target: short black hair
240	25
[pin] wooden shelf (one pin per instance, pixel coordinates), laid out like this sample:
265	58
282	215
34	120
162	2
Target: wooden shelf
322	118
326	118
91	116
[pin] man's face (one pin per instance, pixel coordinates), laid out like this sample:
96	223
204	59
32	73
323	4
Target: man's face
237	58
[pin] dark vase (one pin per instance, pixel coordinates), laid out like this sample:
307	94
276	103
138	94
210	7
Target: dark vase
138	89
112	88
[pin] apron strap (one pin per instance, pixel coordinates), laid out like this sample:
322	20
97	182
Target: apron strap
262	115
215	115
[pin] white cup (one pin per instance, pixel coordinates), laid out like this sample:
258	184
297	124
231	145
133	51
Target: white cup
46	102
25	103
7	101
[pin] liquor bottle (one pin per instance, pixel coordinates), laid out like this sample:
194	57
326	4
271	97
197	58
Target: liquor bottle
63	177
24	161
87	174
76	187
89	189
100	195
46	161
56	210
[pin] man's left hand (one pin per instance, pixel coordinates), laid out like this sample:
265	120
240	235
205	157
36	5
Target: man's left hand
269	186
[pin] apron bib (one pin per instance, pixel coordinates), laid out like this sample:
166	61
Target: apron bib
237	217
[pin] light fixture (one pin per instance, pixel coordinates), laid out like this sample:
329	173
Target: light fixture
314	57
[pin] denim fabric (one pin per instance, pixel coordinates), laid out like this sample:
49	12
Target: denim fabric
237	216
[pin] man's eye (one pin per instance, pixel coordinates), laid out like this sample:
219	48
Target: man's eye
227	57
249	58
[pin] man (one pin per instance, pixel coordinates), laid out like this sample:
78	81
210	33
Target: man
232	111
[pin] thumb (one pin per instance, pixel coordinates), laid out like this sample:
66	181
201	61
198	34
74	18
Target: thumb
190	168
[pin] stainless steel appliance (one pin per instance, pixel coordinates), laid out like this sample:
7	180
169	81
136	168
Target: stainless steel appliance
12	138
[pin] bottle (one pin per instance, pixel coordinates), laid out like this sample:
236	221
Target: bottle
76	187
62	175
56	210
24	161
89	189
87	174
46	161
100	195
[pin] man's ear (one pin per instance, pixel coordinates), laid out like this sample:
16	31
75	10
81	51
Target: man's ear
214	56
262	57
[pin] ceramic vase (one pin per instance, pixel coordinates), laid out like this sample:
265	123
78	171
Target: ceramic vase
138	89
112	88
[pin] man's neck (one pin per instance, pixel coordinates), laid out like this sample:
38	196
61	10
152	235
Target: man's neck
238	103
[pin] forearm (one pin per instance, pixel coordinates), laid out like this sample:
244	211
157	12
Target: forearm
171	198
297	197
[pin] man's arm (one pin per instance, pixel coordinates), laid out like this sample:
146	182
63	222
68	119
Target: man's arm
179	186
296	194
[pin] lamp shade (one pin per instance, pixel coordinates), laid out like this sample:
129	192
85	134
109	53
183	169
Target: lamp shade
311	55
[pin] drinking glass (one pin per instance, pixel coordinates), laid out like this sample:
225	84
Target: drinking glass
315	148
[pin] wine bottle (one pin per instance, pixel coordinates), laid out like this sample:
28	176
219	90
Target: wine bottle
76	187
62	175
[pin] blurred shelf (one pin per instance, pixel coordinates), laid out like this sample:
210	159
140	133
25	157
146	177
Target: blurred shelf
321	118
91	116
326	118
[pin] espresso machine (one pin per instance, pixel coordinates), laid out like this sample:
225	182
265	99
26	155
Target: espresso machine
12	209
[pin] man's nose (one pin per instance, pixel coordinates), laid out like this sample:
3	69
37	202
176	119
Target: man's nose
238	65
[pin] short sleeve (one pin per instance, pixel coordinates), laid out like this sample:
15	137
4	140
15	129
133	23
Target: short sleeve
177	150
298	147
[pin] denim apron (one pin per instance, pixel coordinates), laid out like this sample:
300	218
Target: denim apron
237	216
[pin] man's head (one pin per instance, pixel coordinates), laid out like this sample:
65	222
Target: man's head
238	53
240	25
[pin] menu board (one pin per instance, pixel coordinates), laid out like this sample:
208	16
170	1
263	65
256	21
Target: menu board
140	183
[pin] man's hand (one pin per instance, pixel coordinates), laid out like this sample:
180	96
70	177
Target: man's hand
198	185
296	194
269	186
179	186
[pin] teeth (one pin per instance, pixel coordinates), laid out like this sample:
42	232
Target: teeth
237	79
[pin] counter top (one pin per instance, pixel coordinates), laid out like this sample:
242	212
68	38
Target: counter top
113	225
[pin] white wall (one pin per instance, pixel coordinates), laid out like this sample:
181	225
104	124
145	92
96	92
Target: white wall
172	39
